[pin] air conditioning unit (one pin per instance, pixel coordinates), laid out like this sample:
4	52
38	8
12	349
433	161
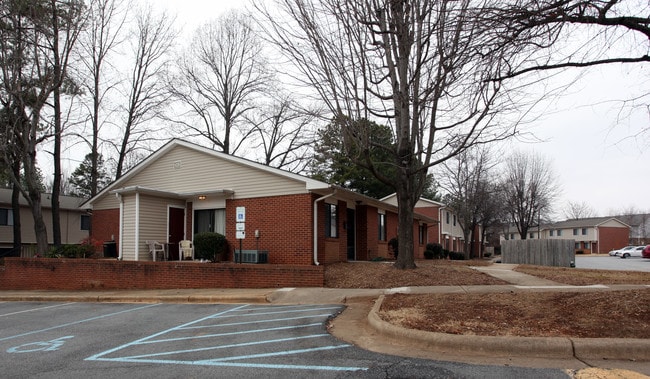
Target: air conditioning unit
252	256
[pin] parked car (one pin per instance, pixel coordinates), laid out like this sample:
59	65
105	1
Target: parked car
616	253
646	252
636	251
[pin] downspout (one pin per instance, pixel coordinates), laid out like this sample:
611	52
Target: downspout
137	226
440	226
121	222
316	225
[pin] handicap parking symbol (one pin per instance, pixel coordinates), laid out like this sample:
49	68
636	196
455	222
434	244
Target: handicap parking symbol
39	346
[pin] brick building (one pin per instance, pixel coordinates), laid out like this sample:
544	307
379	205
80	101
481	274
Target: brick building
183	189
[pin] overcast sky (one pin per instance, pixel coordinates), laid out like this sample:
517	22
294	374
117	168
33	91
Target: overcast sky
589	141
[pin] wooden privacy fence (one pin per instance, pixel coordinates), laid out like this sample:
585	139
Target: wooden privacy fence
542	252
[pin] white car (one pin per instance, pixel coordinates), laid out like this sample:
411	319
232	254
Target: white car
616	253
636	251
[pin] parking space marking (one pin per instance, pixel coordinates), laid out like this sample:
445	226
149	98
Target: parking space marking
278	353
256	322
232	333
76	322
141	340
35	309
226	346
169	340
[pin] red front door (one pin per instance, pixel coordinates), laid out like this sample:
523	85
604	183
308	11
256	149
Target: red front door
176	225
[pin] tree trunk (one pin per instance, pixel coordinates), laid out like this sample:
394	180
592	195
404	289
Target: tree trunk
33	186
405	204
56	183
15	206
56	155
40	230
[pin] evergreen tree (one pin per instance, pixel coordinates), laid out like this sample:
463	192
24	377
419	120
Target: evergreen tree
332	163
81	177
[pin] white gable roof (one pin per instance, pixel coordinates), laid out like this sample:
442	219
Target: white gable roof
421	203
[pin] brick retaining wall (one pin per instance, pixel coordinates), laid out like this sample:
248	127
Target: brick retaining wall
83	274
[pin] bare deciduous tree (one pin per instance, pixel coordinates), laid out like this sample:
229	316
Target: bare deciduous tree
599	25
421	67
101	38
467	180
578	34
152	40
219	76
529	186
576	210
67	18
285	134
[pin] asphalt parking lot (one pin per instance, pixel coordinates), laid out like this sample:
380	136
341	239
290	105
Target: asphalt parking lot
613	263
107	340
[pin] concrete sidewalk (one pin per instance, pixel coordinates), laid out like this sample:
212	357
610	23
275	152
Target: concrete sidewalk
366	324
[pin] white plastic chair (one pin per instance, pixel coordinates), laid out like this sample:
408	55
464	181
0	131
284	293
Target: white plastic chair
156	248
185	250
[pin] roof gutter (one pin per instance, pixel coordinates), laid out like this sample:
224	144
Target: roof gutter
316	224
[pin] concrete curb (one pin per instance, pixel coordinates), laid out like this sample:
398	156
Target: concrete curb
531	347
235	299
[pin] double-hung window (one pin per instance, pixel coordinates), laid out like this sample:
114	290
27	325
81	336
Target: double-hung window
382	227
85	222
6	216
423	234
331	221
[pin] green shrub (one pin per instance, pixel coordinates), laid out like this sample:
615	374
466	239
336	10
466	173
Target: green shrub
436	250
456	256
71	251
210	246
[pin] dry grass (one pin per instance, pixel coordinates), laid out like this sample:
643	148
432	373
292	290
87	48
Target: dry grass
602	314
585	277
428	273
606	314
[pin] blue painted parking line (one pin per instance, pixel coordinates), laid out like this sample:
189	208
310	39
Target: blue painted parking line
277	353
76	322
291	327
238	342
226	346
35	309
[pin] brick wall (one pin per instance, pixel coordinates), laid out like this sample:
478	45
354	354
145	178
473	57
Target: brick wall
612	238
83	274
106	225
284	224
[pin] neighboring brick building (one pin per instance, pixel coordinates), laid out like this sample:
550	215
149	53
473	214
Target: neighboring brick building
446	229
596	235
183	189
